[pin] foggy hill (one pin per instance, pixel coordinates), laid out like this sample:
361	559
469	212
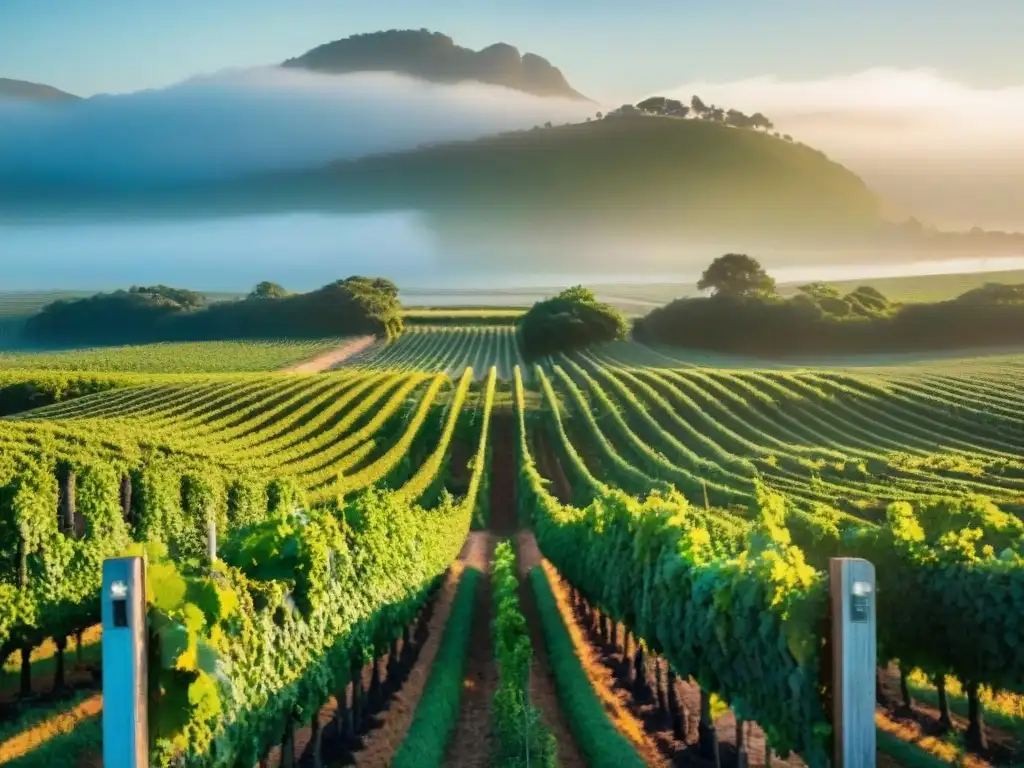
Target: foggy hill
436	58
26	91
641	174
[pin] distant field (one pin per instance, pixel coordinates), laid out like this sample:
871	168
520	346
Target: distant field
917	288
23	304
190	357
503	316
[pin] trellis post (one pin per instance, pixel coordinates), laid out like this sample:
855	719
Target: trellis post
854	649
125	676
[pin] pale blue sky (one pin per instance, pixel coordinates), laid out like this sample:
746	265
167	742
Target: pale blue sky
609	49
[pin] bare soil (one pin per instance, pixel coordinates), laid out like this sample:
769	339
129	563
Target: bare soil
470	746
543	690
334	358
921	724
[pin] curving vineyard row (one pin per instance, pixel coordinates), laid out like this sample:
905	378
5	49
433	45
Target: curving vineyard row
854	441
695	507
82	480
905	469
451	349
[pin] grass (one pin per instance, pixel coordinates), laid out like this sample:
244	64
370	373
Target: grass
438	709
45	738
906	753
599	740
1002	709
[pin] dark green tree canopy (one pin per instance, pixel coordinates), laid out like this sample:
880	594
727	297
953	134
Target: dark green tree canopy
820	290
268	290
570	320
736	274
180	297
994	293
356	305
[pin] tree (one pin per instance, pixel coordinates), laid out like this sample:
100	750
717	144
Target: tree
268	290
737	119
570	320
180	297
655	104
736	274
820	291
757	120
698	107
661	105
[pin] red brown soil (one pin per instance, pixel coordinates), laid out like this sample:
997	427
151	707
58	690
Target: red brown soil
382	743
543	690
470	745
30	739
334	358
921	724
387	729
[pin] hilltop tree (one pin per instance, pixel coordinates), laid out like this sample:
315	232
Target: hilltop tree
698	107
736	274
759	121
661	105
737	119
268	290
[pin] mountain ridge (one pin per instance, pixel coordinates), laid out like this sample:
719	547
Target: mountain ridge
23	90
435	57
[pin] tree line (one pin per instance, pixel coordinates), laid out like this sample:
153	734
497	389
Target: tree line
143	314
745	314
697	109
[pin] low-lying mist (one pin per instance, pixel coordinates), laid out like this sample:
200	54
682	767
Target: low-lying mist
945	151
304	251
252	120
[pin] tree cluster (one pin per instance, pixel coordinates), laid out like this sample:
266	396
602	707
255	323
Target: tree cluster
570	320
744	314
696	109
356	305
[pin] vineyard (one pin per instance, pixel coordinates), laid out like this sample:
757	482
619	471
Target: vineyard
195	357
450	349
437	554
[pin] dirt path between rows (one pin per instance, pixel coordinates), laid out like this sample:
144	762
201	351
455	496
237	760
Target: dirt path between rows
470	745
614	700
543	690
334	358
382	743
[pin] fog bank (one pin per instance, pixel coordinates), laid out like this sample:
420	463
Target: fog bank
249	121
936	148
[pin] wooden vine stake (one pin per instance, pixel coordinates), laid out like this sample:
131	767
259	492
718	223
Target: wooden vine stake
125	676
854	649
